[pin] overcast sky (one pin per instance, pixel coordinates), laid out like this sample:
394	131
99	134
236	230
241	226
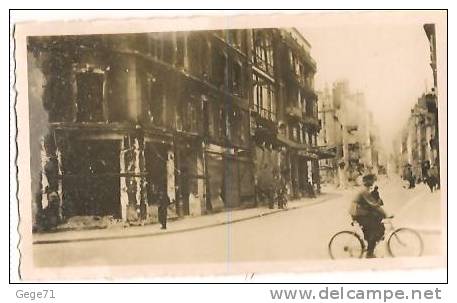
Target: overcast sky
390	64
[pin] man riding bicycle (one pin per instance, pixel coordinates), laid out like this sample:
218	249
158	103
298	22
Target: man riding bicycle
366	209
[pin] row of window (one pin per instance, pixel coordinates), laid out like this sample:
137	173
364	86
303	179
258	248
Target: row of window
262	46
202	55
263	50
264	100
191	51
300	134
227	123
90	107
301	72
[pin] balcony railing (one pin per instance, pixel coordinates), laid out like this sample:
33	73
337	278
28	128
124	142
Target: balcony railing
311	120
264	113
295	111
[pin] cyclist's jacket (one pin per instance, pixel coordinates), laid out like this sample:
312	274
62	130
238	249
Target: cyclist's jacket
364	204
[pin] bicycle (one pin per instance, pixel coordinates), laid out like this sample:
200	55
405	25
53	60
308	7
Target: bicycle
401	242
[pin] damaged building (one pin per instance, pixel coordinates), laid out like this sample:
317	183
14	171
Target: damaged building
349	135
207	117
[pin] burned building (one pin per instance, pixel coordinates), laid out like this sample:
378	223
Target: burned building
201	116
299	113
349	136
416	143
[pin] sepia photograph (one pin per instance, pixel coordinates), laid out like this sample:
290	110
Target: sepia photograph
225	145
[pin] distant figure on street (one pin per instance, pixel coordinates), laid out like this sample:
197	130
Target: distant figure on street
367	211
281	193
425	170
275	185
51	213
408	176
309	190
164	202
432	180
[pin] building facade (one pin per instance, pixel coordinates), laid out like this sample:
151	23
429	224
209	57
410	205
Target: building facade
430	31
206	117
330	137
417	142
349	135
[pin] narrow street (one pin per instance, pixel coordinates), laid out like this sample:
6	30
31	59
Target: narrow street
297	234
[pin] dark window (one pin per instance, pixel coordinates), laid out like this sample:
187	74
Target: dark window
205	54
180	52
237	39
237	129
294	134
263	50
295	65
155	101
264	97
216	121
89	96
155	44
151	41
234	38
244	127
219	66
199	52
237	79
311	108
188	116
168	47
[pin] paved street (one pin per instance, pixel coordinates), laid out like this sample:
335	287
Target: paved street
301	233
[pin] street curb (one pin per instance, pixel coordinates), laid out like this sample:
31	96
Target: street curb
160	233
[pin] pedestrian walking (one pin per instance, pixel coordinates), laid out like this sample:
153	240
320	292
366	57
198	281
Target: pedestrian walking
432	180
408	176
164	202
273	189
281	194
425	170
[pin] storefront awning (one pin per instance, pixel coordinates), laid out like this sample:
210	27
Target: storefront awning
289	143
307	154
325	152
301	149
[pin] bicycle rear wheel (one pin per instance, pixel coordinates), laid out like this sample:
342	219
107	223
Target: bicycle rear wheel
346	244
405	242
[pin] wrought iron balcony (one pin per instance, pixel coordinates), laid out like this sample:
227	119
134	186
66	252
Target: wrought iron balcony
311	120
295	112
264	113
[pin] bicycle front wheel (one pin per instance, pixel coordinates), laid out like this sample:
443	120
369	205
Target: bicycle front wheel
345	245
405	242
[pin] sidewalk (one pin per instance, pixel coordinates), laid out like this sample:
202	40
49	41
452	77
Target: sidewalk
180	225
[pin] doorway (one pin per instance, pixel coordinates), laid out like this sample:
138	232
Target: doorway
91	179
156	167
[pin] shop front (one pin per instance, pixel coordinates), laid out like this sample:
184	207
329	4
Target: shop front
230	181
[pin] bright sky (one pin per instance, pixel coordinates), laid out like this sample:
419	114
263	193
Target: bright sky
390	64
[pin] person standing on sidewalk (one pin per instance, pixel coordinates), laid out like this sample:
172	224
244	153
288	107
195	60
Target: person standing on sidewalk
433	178
281	193
274	189
164	202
